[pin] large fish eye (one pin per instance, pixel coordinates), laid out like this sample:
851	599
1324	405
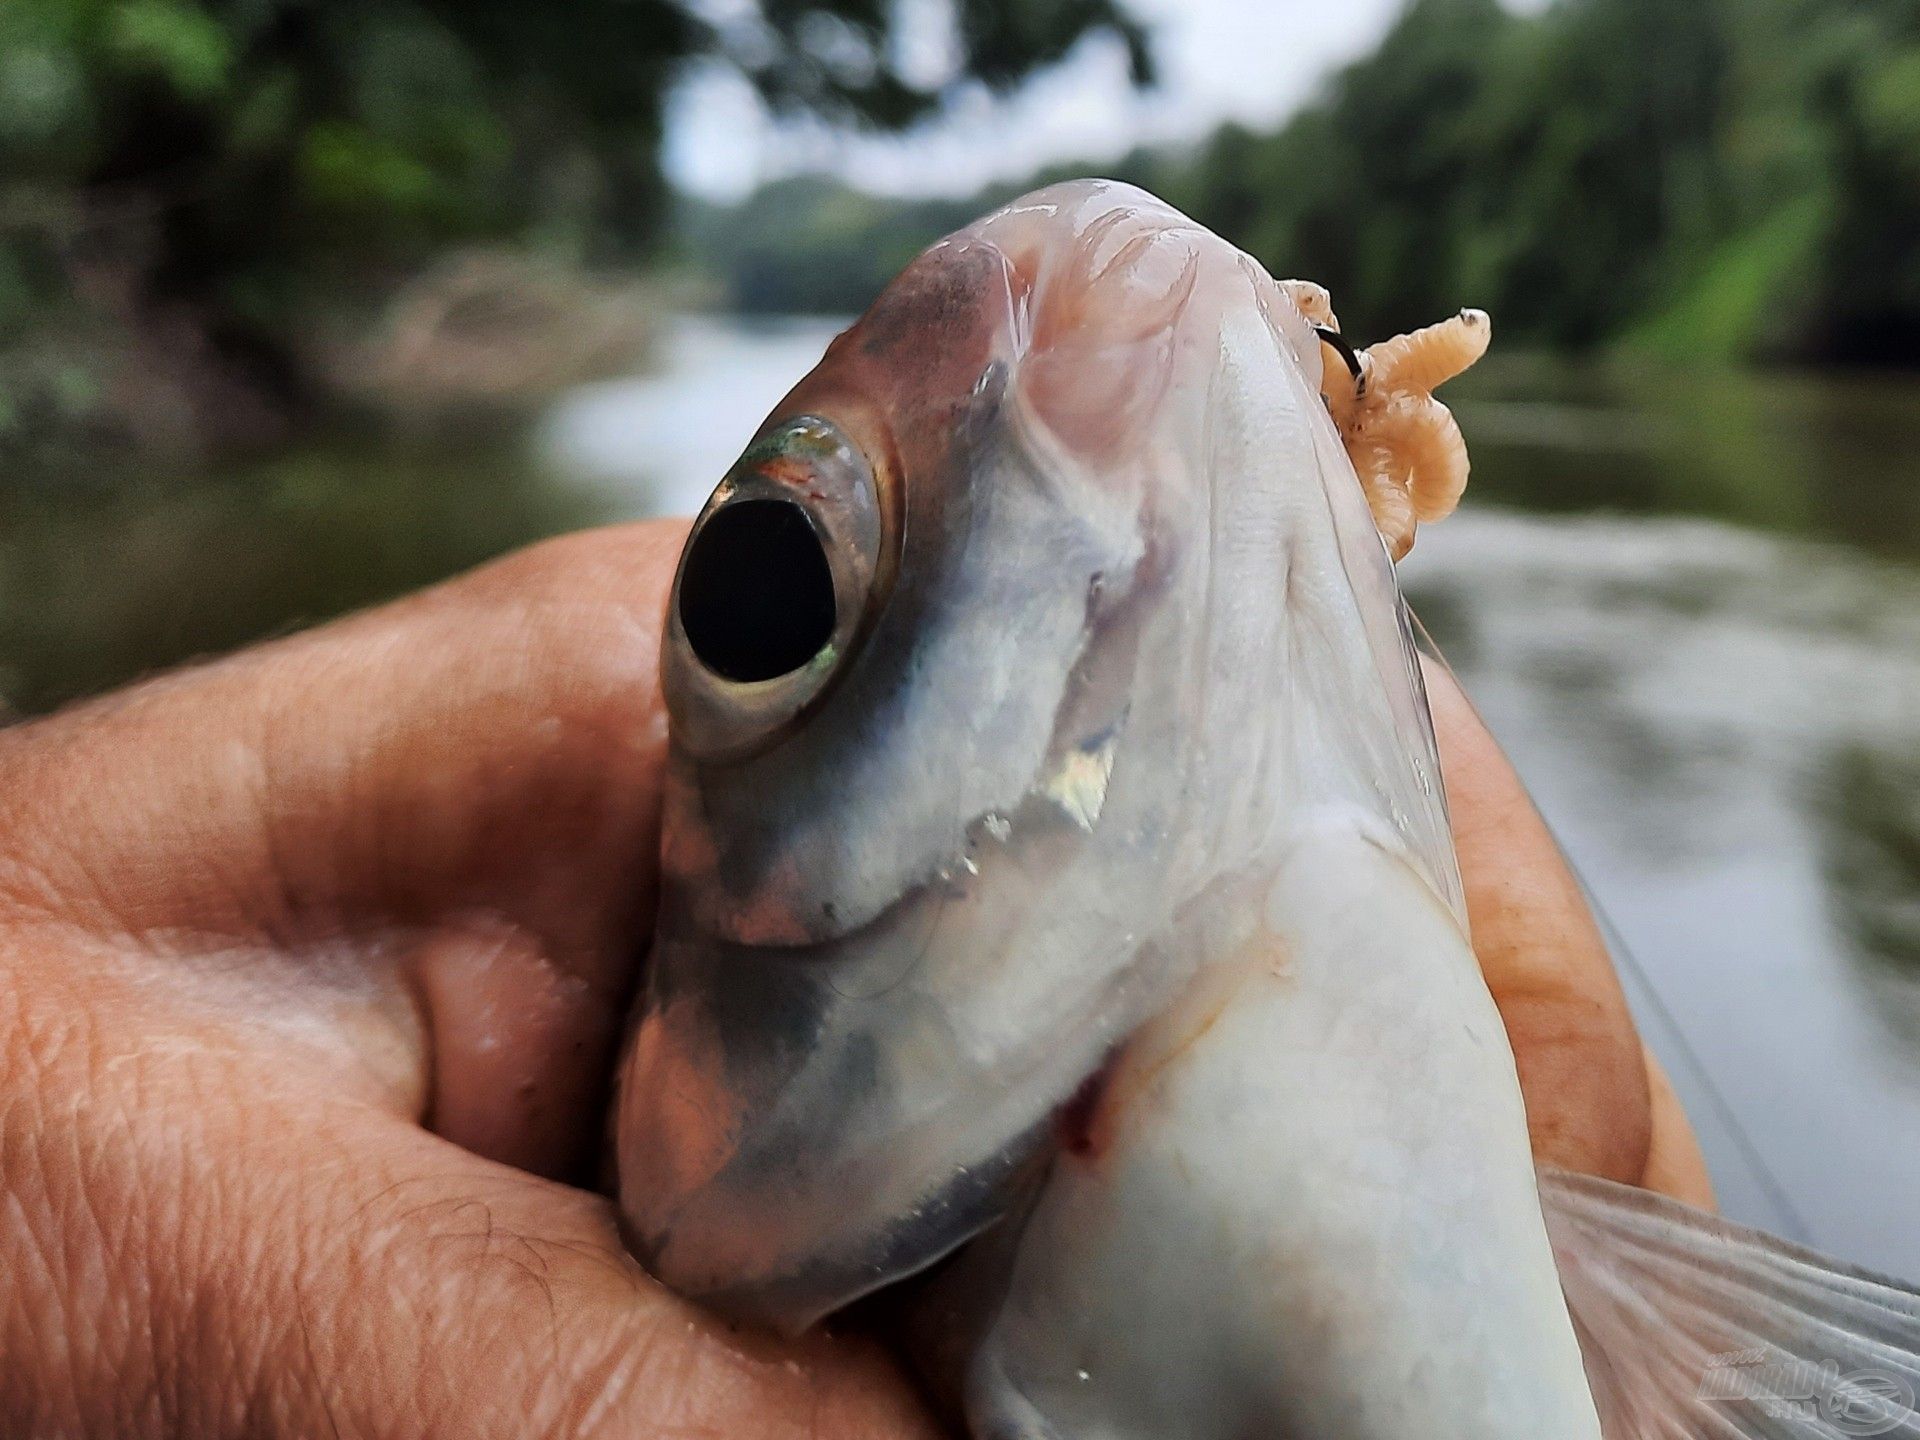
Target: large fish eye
776	585
756	591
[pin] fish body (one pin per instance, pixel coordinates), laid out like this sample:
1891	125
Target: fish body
1057	878
1367	1260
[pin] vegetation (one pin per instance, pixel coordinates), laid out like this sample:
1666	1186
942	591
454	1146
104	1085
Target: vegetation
201	199
1719	179
187	186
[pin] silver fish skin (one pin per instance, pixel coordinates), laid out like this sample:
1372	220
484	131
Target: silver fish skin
1093	878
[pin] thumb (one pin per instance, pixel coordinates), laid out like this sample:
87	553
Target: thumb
434	825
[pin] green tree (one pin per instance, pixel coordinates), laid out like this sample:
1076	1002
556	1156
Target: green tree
1708	180
218	167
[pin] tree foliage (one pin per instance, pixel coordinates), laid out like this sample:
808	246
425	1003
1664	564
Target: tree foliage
1710	179
227	163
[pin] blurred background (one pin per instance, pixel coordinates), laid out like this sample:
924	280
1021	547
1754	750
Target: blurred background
305	304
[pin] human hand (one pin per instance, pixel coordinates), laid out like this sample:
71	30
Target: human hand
1597	1101
314	964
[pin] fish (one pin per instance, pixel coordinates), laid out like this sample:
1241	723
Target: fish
1060	927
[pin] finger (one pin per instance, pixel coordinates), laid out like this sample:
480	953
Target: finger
1675	1165
1582	1072
444	811
396	758
201	1239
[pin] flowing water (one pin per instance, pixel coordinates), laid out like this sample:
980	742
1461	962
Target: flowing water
1689	605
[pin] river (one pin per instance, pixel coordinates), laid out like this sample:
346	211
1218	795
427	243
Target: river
1688	604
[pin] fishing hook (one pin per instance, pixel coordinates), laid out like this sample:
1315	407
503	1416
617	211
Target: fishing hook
1347	353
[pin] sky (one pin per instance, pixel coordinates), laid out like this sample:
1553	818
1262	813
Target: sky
1255	61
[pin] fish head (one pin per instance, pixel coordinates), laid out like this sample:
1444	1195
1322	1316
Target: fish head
1023	624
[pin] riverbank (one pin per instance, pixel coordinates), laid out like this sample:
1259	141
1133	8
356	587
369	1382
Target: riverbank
104	377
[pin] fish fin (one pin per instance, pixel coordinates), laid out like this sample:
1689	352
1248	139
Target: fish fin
1694	1328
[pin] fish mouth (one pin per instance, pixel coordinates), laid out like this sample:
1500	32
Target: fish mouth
698	1255
781	1153
803	1125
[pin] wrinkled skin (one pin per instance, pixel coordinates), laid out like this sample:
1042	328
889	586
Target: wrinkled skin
311	964
1096	872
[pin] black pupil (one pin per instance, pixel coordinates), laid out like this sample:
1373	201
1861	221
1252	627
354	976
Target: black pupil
756	593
